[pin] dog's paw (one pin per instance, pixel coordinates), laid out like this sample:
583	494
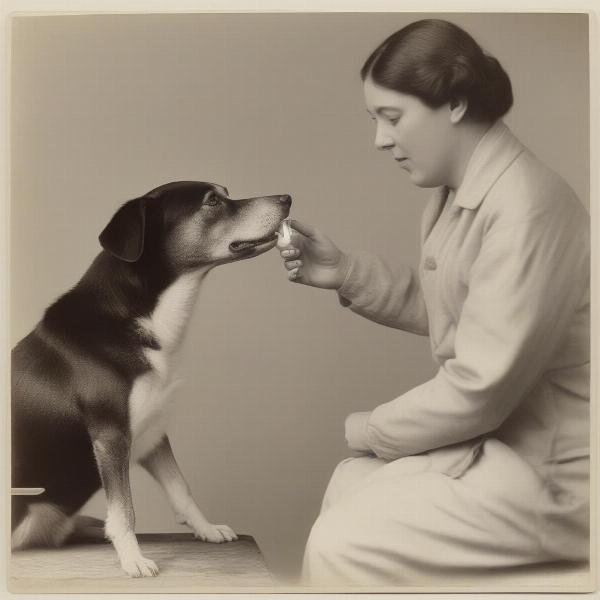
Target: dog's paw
139	567
217	534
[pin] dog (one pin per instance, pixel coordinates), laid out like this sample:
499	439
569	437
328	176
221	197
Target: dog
90	384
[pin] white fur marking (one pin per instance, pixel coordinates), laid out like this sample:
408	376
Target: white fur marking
115	525
125	543
149	400
173	310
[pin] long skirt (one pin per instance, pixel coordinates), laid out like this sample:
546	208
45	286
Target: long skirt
407	521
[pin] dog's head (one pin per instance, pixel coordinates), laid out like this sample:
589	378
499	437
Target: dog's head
193	224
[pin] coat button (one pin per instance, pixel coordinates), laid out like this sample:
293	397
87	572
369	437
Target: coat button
429	263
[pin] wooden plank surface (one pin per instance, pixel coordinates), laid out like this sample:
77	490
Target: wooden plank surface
189	565
186	565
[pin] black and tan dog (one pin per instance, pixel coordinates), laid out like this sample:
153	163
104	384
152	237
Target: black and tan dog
90	383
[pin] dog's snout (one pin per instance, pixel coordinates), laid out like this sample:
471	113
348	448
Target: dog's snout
286	200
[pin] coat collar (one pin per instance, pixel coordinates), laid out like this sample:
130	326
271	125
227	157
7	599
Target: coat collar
496	150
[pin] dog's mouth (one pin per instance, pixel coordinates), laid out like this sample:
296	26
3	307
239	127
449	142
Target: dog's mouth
241	246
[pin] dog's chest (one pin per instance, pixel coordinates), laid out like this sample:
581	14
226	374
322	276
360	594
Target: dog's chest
150	396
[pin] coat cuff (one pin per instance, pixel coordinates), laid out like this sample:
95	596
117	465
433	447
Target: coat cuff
354	283
356	431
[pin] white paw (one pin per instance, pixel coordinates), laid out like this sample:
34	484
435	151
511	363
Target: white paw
139	567
217	534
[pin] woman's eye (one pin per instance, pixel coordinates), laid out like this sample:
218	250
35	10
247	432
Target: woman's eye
394	120
212	201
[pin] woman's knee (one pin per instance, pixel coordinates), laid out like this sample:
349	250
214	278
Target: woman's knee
326	548
346	545
347	473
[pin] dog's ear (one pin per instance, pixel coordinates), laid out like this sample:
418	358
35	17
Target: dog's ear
124	236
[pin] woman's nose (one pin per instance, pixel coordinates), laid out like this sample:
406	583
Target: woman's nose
382	140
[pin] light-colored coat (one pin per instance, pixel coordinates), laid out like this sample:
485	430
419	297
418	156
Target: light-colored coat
502	290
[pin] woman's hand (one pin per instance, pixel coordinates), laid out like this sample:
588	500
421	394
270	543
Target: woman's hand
356	431
313	259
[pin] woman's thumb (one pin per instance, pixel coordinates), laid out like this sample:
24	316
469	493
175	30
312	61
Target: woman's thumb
307	230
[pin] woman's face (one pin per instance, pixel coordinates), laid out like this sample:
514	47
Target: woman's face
423	140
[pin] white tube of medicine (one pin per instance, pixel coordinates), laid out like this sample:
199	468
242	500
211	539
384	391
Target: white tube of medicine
284	235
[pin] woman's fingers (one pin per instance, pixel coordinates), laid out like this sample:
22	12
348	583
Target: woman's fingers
290	252
292	264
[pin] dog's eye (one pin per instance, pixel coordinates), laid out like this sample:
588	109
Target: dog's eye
212	201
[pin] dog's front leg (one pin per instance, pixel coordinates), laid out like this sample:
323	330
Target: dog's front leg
111	449
161	464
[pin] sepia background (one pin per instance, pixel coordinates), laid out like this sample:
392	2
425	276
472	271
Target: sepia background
107	107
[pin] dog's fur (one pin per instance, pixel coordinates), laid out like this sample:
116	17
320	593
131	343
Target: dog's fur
90	383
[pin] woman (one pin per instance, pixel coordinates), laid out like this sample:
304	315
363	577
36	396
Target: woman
486	465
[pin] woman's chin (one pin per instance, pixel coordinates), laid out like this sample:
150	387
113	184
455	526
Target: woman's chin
421	180
417	179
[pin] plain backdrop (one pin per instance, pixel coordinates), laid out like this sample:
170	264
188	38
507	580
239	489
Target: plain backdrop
104	108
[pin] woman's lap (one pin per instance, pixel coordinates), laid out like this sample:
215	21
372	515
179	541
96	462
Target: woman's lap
397	522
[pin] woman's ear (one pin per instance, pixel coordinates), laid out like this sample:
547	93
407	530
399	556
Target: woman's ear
458	109
124	236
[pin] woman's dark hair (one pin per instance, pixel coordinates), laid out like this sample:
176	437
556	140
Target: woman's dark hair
439	62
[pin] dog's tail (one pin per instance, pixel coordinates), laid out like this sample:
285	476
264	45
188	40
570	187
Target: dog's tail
46	525
43	525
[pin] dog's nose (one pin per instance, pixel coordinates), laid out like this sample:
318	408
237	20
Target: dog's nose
285	199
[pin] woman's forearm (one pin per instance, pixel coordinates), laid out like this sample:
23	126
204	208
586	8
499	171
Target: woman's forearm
391	297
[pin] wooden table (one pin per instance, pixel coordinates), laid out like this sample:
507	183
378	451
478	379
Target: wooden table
186	565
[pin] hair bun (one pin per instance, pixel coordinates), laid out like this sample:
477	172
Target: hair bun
493	65
498	89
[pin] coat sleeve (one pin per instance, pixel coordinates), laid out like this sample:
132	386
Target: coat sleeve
526	284
391	297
